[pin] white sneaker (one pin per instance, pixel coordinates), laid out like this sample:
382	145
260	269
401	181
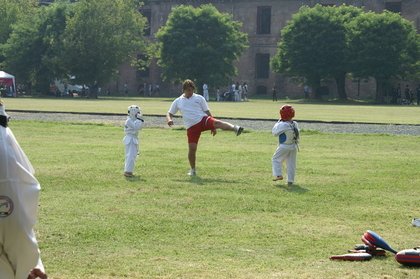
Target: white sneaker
192	172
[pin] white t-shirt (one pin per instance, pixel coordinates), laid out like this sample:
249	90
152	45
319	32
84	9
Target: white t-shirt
192	109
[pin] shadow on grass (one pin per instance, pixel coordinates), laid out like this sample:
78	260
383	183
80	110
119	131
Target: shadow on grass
202	181
134	178
334	101
410	267
292	188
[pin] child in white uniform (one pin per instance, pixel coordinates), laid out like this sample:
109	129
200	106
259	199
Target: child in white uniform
19	193
132	126
288	133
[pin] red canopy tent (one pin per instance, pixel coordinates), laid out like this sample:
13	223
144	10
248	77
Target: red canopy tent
7	81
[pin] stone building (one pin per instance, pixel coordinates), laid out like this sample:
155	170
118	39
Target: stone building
262	21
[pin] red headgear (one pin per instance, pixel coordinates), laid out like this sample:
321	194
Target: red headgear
287	112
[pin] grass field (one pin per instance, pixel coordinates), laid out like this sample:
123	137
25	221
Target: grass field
231	221
264	109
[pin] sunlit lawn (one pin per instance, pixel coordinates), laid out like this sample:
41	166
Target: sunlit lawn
264	109
231	221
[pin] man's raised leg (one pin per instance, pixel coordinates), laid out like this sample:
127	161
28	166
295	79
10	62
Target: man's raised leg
218	124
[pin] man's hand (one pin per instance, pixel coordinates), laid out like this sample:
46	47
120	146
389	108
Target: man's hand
170	123
37	273
214	132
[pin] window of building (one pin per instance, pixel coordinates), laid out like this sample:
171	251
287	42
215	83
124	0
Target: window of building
264	20
145	72
261	90
45	2
262	65
393	6
147	13
418	25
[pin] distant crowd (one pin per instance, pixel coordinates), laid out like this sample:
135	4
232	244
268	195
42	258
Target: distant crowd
234	93
149	90
407	97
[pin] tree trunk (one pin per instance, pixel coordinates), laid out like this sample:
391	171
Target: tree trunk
317	90
379	91
341	86
28	88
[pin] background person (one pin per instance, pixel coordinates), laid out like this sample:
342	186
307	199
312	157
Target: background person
418	94
274	93
125	89
206	92
197	118
245	91
236	92
19	192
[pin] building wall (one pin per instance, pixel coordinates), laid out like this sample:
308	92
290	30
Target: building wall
245	11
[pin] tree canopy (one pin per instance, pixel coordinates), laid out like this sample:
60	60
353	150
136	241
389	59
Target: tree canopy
383	46
201	44
32	52
100	36
11	11
313	45
330	42
86	39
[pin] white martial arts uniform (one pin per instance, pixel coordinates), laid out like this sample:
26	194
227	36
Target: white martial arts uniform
288	134
19	192
131	141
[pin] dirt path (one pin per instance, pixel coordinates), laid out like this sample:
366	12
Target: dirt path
264	125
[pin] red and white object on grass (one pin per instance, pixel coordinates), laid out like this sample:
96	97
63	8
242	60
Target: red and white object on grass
409	257
352	257
376	240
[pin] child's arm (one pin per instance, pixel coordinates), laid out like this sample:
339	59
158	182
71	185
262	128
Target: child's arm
138	124
134	125
279	128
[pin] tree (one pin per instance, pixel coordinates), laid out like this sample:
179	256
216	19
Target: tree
201	44
344	14
313	46
383	45
11	11
100	36
33	49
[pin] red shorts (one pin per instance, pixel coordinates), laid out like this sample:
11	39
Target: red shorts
194	132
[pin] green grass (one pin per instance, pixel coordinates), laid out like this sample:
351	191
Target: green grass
231	221
265	109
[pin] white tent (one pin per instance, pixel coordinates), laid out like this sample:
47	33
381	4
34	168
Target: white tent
8	81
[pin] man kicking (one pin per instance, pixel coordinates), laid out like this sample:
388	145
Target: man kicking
197	118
